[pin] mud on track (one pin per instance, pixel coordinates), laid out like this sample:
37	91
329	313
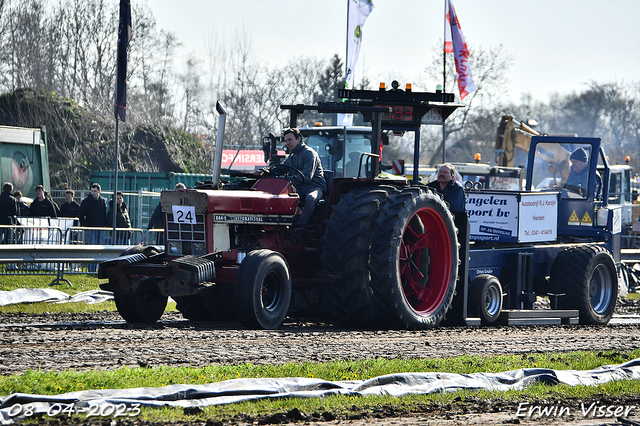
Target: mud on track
103	341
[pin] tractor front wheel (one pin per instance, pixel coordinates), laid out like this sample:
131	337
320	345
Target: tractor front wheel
263	290
146	304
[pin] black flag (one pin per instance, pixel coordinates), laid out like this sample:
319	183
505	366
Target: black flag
124	36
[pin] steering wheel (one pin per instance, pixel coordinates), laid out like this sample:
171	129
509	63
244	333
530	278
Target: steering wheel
283	170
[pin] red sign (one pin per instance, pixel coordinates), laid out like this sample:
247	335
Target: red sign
244	159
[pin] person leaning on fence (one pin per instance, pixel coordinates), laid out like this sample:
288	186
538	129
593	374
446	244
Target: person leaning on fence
8	211
23	207
42	206
122	219
70	208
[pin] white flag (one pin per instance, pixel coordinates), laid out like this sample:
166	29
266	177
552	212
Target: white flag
358	11
454	42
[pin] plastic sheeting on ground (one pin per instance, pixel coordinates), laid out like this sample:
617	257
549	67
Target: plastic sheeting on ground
13	407
32	295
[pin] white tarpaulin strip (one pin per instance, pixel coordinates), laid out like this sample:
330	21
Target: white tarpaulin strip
33	295
99	402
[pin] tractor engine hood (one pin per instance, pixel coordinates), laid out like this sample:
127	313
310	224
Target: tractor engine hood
267	196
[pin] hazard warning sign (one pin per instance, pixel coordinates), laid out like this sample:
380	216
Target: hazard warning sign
586	219
574	219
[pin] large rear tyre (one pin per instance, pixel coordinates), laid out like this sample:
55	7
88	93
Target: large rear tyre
345	253
146	304
414	260
587	276
485	297
263	290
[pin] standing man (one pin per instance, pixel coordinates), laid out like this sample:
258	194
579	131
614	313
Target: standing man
311	186
93	213
41	206
9	209
447	185
70	208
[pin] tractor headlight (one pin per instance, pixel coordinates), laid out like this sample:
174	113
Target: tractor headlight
175	247
198	249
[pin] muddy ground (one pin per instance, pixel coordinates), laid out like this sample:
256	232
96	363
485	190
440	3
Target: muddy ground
102	341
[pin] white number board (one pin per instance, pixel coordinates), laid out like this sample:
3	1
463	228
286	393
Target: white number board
184	214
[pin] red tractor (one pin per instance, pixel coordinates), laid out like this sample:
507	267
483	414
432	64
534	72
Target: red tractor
378	252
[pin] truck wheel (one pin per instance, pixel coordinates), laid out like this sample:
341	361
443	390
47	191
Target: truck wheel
345	253
485	295
587	276
414	260
146	304
262	290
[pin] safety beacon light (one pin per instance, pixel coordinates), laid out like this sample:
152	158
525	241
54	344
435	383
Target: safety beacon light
408	87
383	86
627	159
477	157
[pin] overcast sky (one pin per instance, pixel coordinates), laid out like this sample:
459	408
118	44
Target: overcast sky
558	45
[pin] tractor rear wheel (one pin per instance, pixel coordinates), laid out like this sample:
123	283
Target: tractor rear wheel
263	290
587	276
414	260
485	297
146	304
345	253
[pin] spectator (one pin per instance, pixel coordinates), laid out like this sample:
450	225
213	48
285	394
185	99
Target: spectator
8	211
23	207
122	219
93	214
41	206
70	208
56	207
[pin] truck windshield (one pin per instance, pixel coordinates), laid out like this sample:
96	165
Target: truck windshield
562	166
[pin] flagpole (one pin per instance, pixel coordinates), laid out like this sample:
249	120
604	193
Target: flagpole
444	75
114	206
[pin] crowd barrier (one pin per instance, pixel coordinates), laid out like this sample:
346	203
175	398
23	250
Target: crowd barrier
54	246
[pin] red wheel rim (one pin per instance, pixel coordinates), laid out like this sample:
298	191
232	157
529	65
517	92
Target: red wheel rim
425	261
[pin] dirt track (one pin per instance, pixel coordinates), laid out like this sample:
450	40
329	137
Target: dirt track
86	342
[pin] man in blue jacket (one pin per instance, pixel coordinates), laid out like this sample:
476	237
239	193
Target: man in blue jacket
447	185
311	186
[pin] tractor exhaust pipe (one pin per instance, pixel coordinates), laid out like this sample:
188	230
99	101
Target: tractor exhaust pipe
217	160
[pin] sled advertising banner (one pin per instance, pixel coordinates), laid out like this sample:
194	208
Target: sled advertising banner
493	216
513	218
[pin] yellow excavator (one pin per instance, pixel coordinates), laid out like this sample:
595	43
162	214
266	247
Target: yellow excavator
512	147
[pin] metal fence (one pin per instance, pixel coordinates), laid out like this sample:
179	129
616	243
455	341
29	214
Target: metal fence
54	246
140	204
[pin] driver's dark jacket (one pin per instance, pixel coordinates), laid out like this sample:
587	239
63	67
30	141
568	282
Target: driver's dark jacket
306	160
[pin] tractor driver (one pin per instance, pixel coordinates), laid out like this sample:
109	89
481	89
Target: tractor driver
312	187
447	185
